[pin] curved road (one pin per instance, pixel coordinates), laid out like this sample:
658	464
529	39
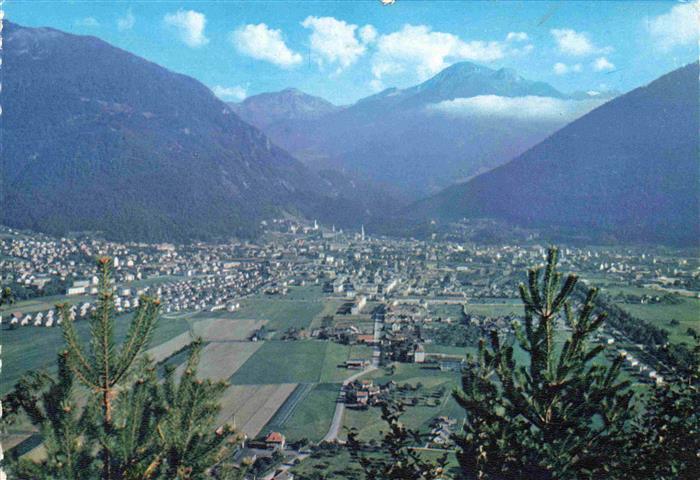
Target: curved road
337	422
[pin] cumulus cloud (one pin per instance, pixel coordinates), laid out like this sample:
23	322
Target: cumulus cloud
87	22
416	48
562	68
264	43
677	27
127	21
519	108
334	42
601	64
571	42
189	25
517	37
236	92
368	34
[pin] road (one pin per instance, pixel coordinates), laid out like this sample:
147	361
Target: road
337	422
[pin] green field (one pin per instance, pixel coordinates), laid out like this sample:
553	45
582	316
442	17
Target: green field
31	348
687	313
298	309
305	361
310	416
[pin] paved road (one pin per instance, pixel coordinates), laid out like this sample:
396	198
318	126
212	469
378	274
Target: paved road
337	422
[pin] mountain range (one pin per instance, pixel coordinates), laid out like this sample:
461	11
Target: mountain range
95	138
423	138
628	170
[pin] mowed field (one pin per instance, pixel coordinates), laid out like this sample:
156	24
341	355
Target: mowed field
250	407
295	310
220	360
33	348
687	313
225	329
303	361
309	415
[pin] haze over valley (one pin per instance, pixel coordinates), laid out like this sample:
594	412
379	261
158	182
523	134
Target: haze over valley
350	240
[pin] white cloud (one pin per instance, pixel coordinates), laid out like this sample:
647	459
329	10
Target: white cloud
333	41
517	37
87	22
190	26
562	68
127	21
376	85
416	48
264	43
519	108
601	63
677	27
571	42
368	34
230	93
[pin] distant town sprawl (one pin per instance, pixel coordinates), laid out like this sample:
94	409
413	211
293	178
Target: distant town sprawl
404	276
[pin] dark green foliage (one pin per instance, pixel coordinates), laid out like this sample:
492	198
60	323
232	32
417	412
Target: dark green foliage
132	426
560	415
50	406
396	457
667	437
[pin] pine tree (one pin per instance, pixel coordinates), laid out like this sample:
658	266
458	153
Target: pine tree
558	414
133	426
50	405
667	436
191	443
102	368
396	457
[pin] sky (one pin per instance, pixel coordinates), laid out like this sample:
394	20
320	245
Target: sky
346	50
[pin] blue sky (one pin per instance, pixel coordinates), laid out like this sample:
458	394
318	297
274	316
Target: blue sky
345	50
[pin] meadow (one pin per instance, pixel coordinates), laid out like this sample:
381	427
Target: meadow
33	348
304	361
308	416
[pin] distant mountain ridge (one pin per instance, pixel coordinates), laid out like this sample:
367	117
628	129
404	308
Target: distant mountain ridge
95	138
289	104
629	170
396	137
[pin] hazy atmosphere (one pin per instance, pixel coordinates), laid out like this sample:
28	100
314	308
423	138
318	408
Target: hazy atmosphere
386	239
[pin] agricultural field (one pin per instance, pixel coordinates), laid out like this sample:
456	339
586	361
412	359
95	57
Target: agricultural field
305	361
308	412
221	360
167	349
32	348
225	329
250	407
295	310
686	313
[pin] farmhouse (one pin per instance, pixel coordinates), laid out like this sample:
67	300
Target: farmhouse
356	363
275	441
